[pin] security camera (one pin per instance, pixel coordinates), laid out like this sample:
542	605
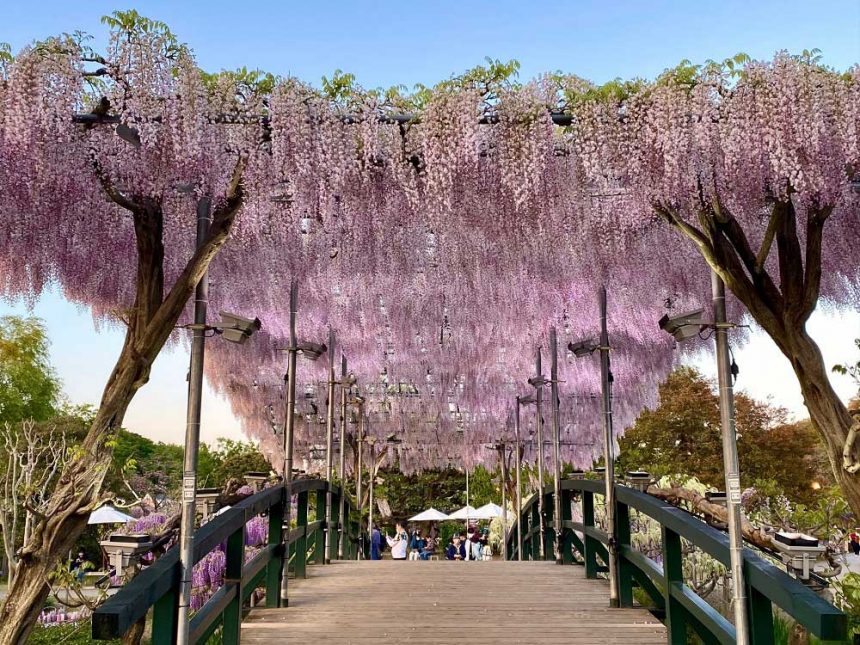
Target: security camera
349	380
528	399
583	347
237	329
311	351
537	381
684	326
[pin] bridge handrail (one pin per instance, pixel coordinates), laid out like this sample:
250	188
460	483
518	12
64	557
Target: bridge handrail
767	584
157	586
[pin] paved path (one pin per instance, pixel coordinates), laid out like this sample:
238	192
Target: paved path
473	603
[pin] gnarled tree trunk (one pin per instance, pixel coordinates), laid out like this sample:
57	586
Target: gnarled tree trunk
781	306
150	323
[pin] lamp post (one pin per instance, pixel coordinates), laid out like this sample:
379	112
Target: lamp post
681	328
538	382
556	439
358	490
235	329
344	391
329	438
730	457
500	447
311	351
521	400
586	348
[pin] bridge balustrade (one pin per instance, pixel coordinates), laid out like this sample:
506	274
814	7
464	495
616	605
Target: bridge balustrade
157	586
676	602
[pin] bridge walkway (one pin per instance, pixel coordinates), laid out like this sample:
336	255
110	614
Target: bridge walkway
475	603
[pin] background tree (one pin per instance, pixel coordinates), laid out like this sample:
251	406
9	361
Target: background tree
231	459
109	181
29	387
681	436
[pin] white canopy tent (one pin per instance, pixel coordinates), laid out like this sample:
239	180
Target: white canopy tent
109	515
489	511
430	515
465	513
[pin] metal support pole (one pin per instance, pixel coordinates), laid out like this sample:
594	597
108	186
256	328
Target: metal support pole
556	440
730	459
503	468
342	521
289	425
371	476
358	490
539	424
329	439
192	433
608	450
519	496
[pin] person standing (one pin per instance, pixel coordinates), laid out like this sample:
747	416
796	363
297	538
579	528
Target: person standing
398	543
375	543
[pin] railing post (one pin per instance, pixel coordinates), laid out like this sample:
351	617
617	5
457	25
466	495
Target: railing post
622	537
319	544
301	542
590	542
275	568
676	619
549	519
566	533
760	612
233	576
165	616
334	527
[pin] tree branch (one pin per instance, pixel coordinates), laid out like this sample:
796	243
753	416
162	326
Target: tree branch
812	270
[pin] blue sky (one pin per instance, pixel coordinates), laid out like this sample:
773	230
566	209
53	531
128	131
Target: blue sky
406	43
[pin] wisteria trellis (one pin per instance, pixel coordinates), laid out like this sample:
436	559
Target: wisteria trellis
441	248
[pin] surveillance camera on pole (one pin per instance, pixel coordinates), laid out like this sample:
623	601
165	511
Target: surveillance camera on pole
684	326
237	329
311	351
583	347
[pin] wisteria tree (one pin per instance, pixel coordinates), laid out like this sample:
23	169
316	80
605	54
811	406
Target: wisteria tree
441	232
63	181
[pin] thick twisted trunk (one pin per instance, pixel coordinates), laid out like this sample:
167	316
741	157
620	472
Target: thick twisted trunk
828	413
781	305
150	323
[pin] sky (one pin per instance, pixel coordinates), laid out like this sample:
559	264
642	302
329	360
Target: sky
386	44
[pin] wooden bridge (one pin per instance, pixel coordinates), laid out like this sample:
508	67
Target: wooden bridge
450	602
530	601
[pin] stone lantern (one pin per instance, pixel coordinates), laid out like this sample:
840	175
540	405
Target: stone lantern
124	551
205	501
256	480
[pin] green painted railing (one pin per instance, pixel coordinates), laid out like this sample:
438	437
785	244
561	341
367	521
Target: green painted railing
768	586
157	586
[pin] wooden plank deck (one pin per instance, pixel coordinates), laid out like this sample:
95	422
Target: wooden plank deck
450	602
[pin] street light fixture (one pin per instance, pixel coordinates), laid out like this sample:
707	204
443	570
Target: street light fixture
587	348
311	351
682	328
233	328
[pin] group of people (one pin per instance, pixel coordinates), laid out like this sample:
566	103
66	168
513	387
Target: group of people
403	545
475	545
422	544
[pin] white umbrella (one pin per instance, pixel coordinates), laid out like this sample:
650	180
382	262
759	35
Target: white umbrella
430	515
465	513
109	515
489	511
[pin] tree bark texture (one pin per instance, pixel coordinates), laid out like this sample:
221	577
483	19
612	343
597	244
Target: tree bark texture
150	323
781	305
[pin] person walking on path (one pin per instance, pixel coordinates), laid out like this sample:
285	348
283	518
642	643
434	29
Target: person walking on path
375	543
398	543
